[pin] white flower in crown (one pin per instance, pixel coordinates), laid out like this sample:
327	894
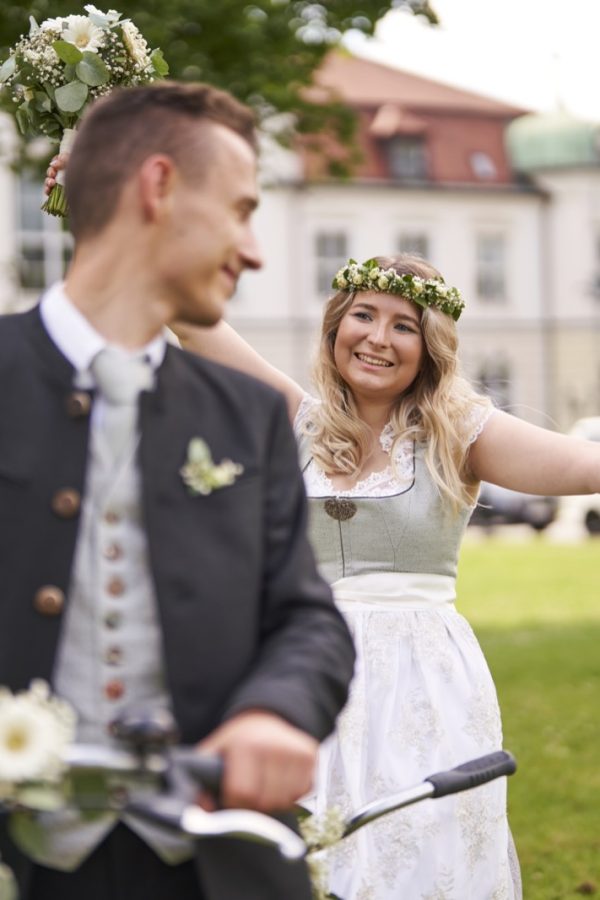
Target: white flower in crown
417	286
202	475
383	282
35	729
374	273
442	289
82	32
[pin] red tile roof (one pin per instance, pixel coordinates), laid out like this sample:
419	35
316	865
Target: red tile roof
361	82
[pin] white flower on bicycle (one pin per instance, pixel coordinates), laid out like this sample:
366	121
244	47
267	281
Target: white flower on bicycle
136	44
82	32
35	729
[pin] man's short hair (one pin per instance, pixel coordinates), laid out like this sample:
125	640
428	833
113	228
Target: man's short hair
122	129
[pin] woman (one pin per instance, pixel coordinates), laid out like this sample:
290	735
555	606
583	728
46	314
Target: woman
393	451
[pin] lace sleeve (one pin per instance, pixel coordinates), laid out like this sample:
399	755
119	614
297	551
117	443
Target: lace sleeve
308	404
476	420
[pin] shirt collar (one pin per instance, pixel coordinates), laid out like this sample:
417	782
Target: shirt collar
77	339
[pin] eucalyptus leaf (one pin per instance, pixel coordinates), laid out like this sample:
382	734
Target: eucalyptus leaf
159	63
22	119
71	97
69	73
7	68
50	90
92	70
42	101
67	52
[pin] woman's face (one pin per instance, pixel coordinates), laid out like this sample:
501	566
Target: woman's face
379	347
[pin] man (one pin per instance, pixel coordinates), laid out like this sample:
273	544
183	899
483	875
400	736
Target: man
132	573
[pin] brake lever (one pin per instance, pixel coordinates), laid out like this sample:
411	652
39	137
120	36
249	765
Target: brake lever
175	813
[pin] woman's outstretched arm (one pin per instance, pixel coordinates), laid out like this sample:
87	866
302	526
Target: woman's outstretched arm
223	344
523	457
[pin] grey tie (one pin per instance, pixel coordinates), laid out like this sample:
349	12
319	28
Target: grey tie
120	377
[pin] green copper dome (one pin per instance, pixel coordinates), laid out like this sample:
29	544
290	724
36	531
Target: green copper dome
551	140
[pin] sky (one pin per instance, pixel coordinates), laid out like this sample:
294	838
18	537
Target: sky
535	54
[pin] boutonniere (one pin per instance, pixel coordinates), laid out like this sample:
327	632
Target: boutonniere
202	475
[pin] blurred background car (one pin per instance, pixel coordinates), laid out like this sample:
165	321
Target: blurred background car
583	511
501	506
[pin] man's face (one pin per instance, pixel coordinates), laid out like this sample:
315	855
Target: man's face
208	241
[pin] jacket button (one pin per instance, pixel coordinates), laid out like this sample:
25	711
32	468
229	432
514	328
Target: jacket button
66	503
78	404
49	600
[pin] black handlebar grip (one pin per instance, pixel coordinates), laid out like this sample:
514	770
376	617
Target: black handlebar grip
206	770
473	773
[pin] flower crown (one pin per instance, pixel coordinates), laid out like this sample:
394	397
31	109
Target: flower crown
423	291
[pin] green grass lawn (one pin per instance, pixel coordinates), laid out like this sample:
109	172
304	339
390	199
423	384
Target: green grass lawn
536	609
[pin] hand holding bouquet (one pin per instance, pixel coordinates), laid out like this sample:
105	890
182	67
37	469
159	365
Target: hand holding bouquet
55	71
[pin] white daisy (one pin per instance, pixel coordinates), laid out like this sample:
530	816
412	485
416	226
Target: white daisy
34	732
79	30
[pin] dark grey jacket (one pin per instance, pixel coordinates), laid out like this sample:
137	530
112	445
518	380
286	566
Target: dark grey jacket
247	622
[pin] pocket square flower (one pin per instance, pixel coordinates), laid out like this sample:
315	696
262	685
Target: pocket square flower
202	475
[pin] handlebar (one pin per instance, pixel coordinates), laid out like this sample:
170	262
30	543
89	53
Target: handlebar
162	781
461	778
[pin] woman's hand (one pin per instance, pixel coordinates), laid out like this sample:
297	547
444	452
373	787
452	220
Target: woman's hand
57	164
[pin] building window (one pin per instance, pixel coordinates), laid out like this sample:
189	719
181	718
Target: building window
414	242
491	267
44	248
406	158
483	166
331	254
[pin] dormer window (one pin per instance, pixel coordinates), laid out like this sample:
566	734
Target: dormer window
406	157
483	166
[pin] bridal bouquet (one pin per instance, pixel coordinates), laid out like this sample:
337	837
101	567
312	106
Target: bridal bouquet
55	71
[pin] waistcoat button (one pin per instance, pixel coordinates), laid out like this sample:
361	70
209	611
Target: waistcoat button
115	586
113	656
112	619
112	552
114	690
49	600
66	503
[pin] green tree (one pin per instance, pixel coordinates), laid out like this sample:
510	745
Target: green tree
263	51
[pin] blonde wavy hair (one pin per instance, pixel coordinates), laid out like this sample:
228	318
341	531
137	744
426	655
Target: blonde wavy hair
438	409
